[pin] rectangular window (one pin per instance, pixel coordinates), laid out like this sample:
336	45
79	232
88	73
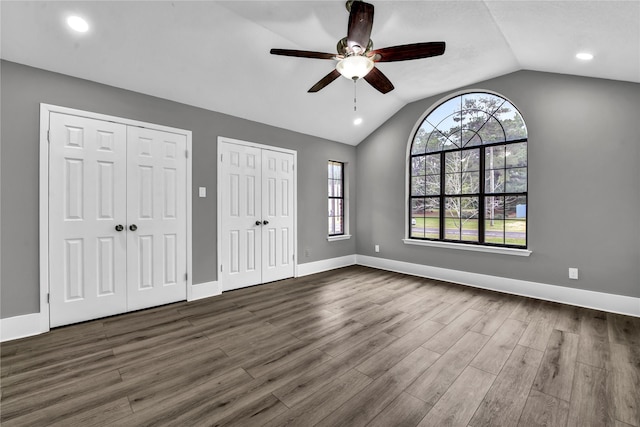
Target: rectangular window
336	198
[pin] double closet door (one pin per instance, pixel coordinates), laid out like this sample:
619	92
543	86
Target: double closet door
257	215
117	218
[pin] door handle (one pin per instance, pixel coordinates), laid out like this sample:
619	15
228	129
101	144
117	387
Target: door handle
265	222
133	227
258	223
119	227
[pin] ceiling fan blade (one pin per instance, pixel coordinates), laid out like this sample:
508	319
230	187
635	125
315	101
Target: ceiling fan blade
360	24
378	80
325	81
407	51
303	53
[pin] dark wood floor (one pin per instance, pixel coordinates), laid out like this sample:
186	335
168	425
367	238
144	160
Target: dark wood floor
350	347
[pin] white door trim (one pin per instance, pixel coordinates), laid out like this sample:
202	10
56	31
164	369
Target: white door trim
223	139
45	110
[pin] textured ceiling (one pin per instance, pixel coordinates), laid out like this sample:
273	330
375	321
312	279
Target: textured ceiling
215	54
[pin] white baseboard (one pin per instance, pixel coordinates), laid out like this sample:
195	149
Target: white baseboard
13	328
204	290
579	297
325	265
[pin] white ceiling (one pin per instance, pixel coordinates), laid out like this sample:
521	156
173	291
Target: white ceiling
215	54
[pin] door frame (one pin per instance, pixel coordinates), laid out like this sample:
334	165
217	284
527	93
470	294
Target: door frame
45	111
223	139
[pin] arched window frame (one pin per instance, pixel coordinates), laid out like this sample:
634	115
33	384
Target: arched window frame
442	241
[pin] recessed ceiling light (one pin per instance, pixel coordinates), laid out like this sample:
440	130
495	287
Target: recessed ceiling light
585	56
357	121
78	24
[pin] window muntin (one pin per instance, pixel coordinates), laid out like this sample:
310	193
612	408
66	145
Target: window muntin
468	173
336	198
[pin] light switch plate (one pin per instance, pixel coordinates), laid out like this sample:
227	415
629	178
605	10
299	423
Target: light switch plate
573	273
202	191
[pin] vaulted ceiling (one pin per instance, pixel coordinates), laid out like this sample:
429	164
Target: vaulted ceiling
215	54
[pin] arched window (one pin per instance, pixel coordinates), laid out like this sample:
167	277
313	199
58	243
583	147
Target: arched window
468	173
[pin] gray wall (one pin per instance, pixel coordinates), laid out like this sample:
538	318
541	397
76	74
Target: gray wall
584	185
24	88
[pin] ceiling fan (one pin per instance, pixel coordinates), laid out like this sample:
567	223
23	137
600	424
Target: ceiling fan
356	56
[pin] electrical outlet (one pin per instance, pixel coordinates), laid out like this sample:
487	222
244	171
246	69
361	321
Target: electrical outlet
573	273
377	248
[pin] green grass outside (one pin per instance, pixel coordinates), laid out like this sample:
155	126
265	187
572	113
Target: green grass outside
510	225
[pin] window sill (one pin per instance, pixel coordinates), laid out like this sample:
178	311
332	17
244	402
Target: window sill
336	238
462	246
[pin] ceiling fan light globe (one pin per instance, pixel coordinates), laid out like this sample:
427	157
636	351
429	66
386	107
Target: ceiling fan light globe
354	67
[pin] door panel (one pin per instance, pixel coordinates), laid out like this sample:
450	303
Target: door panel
156	193
87	177
277	248
240	198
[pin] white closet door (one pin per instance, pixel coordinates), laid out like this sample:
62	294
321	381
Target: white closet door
156	218
87	200
277	215
241	216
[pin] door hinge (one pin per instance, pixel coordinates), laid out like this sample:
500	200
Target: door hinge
49	136
186	276
186	153
48	298
293	257
220	268
221	158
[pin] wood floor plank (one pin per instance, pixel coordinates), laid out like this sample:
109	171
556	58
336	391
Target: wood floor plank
505	400
495	316
624	376
384	360
324	401
450	334
417	317
591	405
302	387
544	410
434	382
366	405
538	331
594	351
459	403
495	353
569	319
405	411
555	376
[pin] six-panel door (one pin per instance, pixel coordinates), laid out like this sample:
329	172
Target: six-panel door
87	201
257	215
117	220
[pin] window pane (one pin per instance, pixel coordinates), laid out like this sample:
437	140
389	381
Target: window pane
432	185
516	154
417	217
432	218
516	180
452	218
452	162
494	220
338	225
492	132
470	160
512	122
516	220
332	227
418	186
494	157
494	181
417	165
421	138
337	171
453	183
432	164
450	127
469	218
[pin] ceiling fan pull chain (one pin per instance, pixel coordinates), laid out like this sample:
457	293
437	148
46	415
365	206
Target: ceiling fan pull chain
354	95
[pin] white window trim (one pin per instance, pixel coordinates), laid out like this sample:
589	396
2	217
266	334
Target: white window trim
468	247
338	237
